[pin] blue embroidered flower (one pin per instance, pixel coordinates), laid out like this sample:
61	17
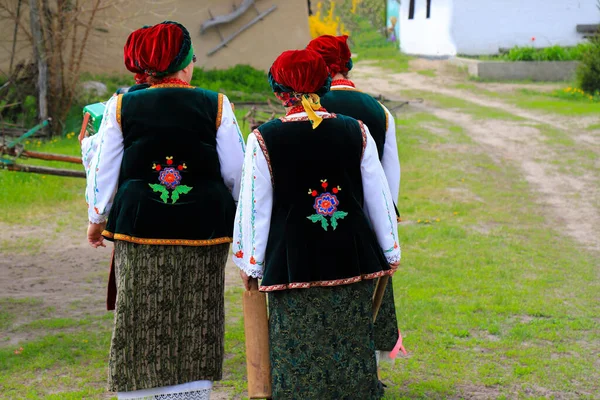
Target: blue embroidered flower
326	204
170	177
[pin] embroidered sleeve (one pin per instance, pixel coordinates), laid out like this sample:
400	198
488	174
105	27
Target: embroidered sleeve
230	147
379	205
106	153
390	160
253	216
89	147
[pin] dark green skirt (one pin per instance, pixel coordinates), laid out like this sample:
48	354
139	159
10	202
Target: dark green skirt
386	325
322	344
169	316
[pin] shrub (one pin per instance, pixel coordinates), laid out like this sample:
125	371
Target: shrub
572	93
240	83
588	73
553	53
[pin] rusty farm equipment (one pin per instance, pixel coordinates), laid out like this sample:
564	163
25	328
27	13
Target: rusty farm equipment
14	151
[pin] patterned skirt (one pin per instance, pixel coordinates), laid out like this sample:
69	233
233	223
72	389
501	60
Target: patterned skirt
322	344
386	325
169	316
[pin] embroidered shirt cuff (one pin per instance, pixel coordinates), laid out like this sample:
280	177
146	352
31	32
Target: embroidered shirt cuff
97	219
393	257
252	270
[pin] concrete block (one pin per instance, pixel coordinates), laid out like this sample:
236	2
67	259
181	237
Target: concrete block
543	71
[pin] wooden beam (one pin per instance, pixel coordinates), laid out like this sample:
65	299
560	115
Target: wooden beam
242	29
42	156
224	19
44	170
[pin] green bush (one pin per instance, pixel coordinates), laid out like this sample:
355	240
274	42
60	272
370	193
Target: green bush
553	53
588	73
239	83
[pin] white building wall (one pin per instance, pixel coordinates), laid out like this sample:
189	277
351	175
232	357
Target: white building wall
428	37
484	26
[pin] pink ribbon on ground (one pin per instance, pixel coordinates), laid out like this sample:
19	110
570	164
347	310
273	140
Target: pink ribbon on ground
399	347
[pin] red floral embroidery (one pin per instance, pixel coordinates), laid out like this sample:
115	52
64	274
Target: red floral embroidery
326	206
239	254
252	260
170	179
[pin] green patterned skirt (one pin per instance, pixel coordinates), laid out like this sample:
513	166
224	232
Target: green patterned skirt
169	316
322	344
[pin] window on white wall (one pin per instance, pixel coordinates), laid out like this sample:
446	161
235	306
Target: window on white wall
428	9
411	9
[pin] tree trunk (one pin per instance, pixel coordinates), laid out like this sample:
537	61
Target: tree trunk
39	54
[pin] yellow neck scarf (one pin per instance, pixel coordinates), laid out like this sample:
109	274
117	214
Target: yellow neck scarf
312	102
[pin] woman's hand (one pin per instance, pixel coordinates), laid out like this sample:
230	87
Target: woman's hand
249	282
395	265
94	234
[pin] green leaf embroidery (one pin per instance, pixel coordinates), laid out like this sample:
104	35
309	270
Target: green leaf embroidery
316	218
337	215
324	223
181	189
160	188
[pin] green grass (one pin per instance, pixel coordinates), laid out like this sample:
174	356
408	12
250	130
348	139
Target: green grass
427	72
548	102
593	127
509	306
371	46
26	196
490	298
475	110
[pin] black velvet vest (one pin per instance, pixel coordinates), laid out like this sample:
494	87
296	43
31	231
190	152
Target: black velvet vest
170	186
319	233
362	107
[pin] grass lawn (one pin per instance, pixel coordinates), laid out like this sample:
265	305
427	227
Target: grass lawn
490	298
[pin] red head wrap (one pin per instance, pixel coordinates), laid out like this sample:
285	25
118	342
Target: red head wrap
158	50
300	71
335	52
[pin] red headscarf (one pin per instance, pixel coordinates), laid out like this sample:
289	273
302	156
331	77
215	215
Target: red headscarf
300	71
158	50
301	76
335	52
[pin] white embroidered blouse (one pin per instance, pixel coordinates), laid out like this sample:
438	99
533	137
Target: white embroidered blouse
103	152
252	224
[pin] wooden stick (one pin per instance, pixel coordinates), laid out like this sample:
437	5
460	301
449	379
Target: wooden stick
51	157
378	295
256	327
86	119
45	170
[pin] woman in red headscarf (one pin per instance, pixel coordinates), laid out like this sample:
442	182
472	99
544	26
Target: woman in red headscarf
162	185
315	224
345	99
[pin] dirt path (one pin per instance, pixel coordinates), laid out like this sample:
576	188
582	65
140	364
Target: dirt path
65	275
63	278
568	200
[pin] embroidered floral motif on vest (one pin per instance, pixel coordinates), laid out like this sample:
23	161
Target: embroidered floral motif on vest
326	206
169	177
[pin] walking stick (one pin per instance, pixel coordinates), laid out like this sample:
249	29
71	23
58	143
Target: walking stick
378	295
256	328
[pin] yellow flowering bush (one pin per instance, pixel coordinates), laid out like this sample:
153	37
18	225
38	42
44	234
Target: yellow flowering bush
327	24
574	93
